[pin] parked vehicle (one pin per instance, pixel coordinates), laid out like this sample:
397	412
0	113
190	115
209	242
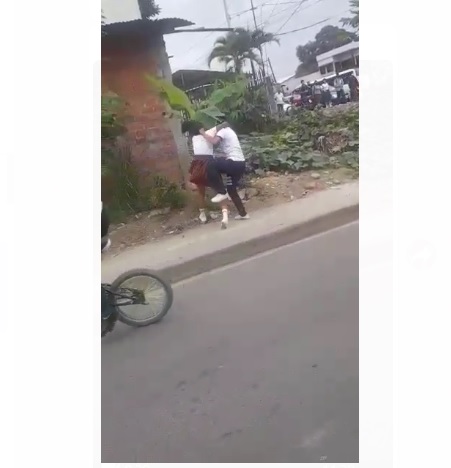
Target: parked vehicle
287	108
302	100
345	74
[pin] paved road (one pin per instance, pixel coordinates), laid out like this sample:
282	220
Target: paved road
257	362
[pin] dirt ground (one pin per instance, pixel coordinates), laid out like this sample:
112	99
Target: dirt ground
261	192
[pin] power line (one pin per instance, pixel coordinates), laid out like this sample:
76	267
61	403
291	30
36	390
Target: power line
264	4
281	3
192	46
239	13
296	10
305	27
288	8
311	25
275	6
272	16
277	33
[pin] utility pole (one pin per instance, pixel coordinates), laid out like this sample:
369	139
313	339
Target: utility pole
253	13
260	47
226	10
267	79
272	71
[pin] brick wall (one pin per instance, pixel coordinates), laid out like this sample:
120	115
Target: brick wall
124	66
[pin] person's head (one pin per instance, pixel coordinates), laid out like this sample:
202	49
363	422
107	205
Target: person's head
302	81
192	127
337	74
221	125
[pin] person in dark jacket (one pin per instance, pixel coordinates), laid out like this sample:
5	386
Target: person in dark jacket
354	88
104	228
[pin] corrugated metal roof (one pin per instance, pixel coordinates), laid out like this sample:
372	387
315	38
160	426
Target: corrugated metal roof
286	78
144	27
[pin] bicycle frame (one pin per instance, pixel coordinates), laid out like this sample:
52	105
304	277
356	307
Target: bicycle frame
123	296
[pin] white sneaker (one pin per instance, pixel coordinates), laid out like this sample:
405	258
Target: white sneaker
225	219
219	198
203	216
239	217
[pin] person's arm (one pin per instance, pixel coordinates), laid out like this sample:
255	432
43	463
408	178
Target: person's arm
211	139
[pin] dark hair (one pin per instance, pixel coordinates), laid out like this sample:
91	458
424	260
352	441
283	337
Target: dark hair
192	127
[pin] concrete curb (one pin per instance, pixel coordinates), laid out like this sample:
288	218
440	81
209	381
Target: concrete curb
249	248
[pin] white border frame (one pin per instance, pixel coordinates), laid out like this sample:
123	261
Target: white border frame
50	219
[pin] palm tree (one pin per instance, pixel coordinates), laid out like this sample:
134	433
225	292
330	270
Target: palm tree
148	8
240	45
260	37
354	20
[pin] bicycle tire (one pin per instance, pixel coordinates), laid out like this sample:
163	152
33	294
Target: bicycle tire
143	272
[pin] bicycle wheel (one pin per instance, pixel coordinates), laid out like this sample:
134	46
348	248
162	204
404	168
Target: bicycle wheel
157	293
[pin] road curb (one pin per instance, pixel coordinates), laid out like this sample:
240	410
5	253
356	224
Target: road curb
246	249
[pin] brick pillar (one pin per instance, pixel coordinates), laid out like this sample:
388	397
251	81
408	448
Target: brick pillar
124	66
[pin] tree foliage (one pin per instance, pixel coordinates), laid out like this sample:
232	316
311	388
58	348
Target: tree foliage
244	107
179	101
330	37
234	101
238	46
148	8
352	21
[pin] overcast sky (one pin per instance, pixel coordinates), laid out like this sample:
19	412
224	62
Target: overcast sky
190	50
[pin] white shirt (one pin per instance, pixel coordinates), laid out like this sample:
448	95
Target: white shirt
279	98
230	145
202	147
338	83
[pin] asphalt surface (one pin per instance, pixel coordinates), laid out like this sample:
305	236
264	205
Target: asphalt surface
255	362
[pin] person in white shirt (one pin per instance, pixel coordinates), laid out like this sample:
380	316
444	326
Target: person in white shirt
278	97
202	157
327	97
339	86
203	165
232	164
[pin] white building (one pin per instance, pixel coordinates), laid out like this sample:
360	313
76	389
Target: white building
339	59
336	60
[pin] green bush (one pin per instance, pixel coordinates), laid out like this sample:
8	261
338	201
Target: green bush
310	140
164	194
130	193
